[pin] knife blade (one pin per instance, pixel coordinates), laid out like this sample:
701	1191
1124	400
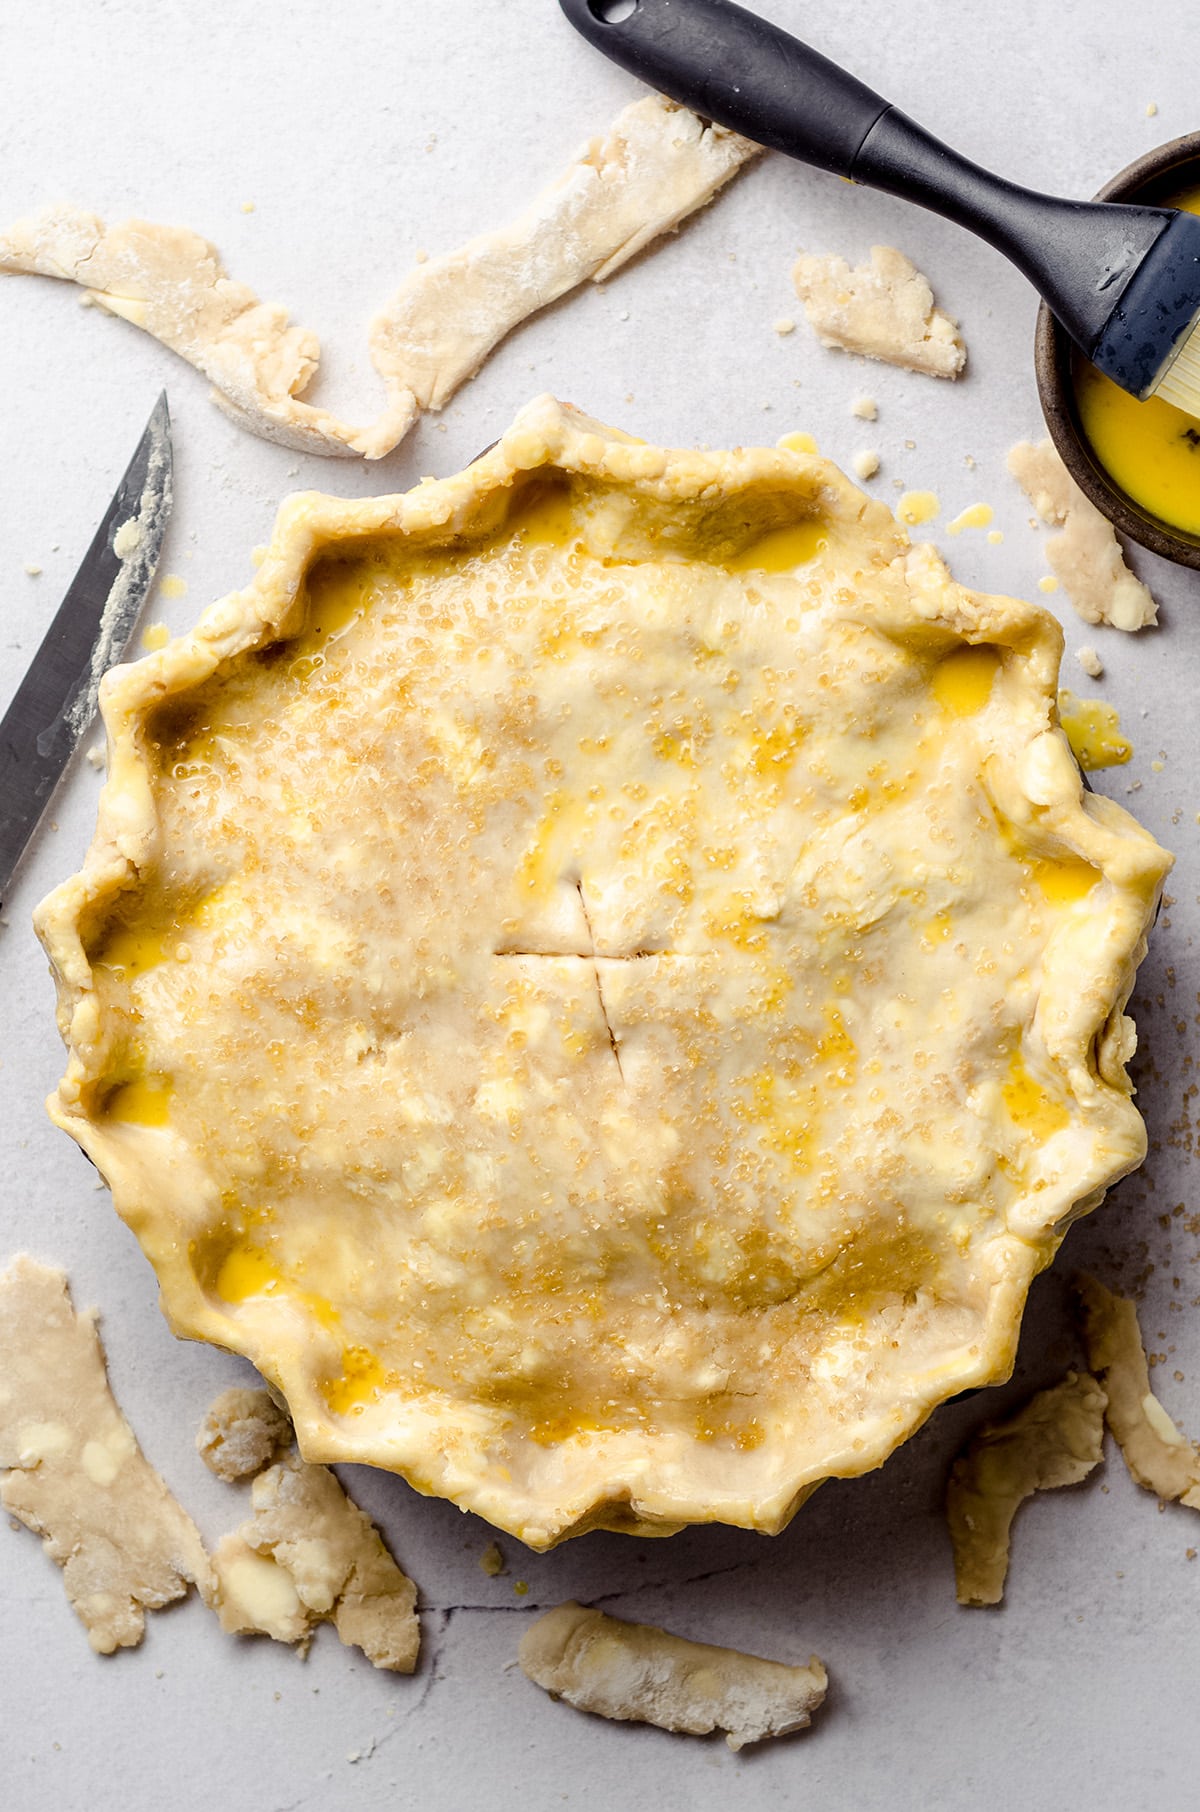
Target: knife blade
56	701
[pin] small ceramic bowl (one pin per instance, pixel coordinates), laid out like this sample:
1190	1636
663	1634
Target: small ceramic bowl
1153	178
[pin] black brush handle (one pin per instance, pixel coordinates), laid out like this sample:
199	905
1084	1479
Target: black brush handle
730	66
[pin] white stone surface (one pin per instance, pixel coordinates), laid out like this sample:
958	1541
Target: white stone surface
362	134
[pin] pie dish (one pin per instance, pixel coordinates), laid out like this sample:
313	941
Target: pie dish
599	977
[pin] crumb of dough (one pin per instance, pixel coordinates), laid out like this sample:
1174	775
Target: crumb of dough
631	1671
784	326
97	755
656	164
1086	556
243	1431
865	408
76	1475
865	464
155	636
1155	1452
308	1555
127	539
1090	661
33	570
884	310
492	1560
1056	1439
1151	109
797	441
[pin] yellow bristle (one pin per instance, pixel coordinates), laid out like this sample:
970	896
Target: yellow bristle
1181	385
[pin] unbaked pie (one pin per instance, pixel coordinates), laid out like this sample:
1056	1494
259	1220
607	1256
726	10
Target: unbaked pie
598	976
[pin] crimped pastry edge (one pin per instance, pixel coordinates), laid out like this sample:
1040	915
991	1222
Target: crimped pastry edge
1079	1015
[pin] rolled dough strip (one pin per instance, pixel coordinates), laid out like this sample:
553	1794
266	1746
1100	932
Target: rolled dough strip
77	1476
632	1671
655	165
1056	1439
1158	1456
1087	556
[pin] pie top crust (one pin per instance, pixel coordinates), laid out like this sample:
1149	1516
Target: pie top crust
599	977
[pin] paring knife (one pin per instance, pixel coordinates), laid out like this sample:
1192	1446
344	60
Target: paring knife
56	700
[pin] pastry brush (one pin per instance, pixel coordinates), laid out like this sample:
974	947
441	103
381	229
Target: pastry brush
1124	280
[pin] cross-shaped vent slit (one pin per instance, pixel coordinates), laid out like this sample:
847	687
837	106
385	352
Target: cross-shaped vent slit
612	1037
565	947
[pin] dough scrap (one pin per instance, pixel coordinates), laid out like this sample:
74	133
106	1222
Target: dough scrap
634	1672
243	1431
172	284
77	1476
1056	1439
309	1555
884	310
1087	556
1155	1452
656	164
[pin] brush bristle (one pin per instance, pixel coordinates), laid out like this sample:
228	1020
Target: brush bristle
1181	385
